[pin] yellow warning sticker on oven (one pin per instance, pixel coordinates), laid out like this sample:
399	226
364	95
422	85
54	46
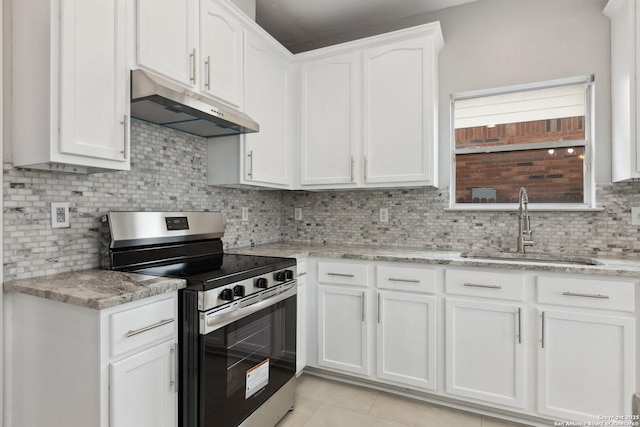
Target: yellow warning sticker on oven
257	378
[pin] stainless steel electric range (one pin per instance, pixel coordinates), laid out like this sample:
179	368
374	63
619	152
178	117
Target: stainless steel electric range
237	317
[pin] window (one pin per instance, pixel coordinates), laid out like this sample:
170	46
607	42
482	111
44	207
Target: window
535	136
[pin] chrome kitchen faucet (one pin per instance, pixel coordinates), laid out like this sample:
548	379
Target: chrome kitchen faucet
524	225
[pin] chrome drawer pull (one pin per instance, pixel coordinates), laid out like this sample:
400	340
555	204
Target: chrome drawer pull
577	294
301	274
340	275
395	279
148	328
475	285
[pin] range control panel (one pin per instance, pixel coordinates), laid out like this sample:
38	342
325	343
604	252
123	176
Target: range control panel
244	289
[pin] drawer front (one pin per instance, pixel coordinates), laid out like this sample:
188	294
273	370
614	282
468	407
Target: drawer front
487	284
406	278
301	267
588	293
342	273
142	325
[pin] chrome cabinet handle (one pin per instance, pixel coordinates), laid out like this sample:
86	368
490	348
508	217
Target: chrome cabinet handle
207	66
378	307
365	169
148	328
577	294
519	325
352	161
250	173
362	307
174	368
301	274
192	55
340	274
395	279
476	285
543	329
125	124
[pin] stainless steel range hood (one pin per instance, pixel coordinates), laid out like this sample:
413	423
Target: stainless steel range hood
158	101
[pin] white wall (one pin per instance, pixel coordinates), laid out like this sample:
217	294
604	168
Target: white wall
495	43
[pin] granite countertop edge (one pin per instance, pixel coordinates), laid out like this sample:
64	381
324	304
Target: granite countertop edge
94	288
629	268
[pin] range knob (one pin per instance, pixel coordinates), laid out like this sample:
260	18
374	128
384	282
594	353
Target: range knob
226	294
280	276
261	282
238	290
288	274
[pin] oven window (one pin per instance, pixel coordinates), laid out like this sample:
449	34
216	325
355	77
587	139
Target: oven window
260	346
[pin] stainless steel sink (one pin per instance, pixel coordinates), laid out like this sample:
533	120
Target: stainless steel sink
532	257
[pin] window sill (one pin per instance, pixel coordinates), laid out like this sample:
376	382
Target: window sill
510	207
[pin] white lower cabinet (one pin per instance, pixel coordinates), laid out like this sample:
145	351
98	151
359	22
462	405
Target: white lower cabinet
342	329
536	346
301	314
76	366
406	340
143	388
484	351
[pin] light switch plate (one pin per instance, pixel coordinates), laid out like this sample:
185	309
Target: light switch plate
384	214
635	216
60	215
245	214
298	214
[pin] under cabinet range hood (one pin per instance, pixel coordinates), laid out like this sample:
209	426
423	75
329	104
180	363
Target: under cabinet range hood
157	101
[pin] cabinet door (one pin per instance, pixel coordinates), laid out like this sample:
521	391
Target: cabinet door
329	120
399	118
407	339
485	357
301	331
167	34
93	80
586	365
221	58
143	389
342	329
267	101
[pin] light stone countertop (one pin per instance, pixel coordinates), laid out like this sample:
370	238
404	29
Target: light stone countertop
609	267
96	288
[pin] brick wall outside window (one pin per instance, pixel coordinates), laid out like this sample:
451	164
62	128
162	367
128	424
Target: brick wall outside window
550	175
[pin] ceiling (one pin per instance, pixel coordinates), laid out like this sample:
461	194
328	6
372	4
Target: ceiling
298	22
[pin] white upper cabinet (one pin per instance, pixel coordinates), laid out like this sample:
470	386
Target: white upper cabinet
221	56
369	111
625	60
267	153
399	124
167	38
329	112
70	85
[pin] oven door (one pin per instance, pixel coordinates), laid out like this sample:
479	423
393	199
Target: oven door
246	356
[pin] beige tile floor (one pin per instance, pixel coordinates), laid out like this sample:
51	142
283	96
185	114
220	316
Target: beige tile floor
325	403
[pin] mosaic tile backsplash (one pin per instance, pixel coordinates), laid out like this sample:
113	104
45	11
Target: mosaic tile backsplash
418	217
168	172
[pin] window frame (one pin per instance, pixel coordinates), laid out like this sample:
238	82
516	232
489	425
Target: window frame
588	161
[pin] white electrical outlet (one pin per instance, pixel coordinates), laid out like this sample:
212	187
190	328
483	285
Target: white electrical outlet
635	216
60	215
384	214
245	214
298	214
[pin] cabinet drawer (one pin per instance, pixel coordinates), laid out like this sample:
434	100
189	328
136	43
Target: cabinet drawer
406	278
588	293
139	326
342	273
301	267
487	284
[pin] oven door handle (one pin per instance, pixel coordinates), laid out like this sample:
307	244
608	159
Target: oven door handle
217	321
